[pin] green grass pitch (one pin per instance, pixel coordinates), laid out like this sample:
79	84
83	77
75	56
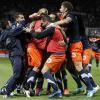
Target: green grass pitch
6	71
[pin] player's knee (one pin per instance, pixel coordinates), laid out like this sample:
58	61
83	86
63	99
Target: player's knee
78	66
45	69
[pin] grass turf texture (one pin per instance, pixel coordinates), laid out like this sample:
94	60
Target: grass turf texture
6	71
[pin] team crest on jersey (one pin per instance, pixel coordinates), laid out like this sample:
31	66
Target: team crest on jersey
73	54
49	60
84	57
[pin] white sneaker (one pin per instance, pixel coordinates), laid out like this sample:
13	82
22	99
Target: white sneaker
96	88
90	93
12	94
79	90
56	94
27	93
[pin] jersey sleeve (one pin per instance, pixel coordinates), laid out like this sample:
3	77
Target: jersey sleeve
44	33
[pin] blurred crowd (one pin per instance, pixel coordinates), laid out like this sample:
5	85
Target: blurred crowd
90	10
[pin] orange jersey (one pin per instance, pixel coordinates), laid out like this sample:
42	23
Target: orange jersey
54	44
40	43
94	39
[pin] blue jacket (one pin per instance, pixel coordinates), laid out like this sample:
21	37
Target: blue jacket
10	40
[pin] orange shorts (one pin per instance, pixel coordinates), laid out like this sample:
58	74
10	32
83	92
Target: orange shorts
96	55
54	62
76	51
34	55
87	53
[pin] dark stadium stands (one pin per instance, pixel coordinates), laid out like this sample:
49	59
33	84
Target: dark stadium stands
89	8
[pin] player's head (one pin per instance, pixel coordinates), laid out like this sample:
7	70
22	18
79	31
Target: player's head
46	20
43	11
53	17
66	7
18	17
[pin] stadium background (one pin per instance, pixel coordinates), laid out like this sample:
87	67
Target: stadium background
89	8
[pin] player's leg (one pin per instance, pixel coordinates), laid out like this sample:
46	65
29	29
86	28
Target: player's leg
76	51
53	63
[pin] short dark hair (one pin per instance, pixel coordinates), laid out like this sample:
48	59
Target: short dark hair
46	18
16	15
68	5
